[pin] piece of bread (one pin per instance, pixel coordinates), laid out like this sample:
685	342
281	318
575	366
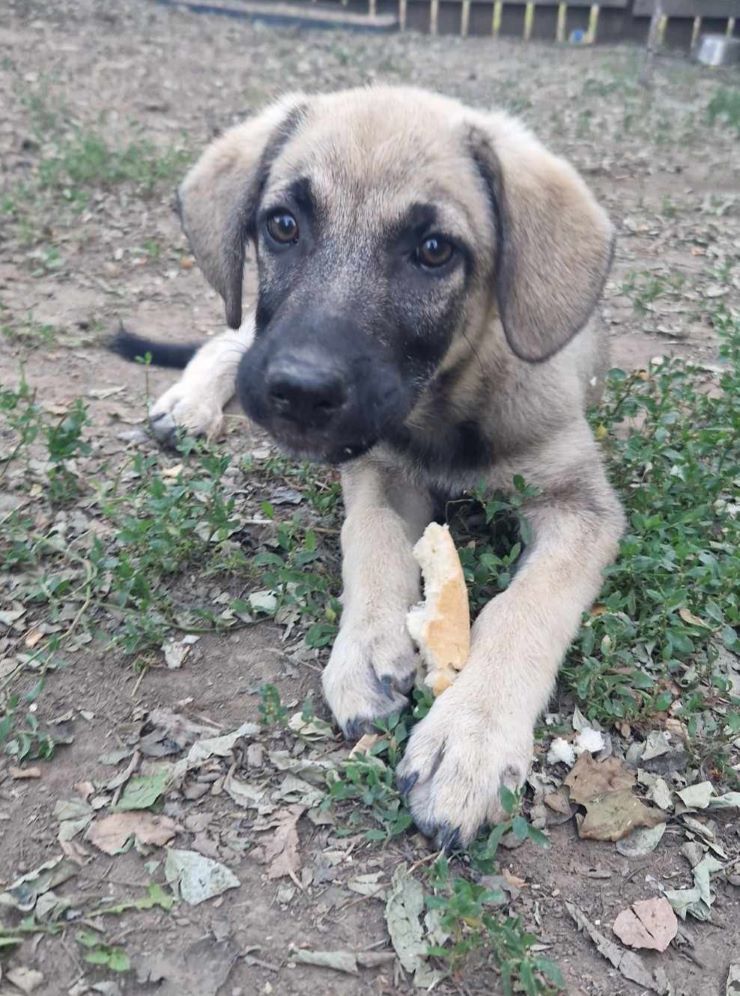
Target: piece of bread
440	625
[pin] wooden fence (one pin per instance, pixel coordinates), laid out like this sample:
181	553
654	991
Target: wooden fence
577	21
680	23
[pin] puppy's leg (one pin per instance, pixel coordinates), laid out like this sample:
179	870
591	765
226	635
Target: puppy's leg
196	402
373	661
478	735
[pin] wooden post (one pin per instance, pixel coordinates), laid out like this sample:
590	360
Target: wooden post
646	73
465	18
498	9
695	31
593	21
560	29
662	25
730	27
372	7
528	20
433	17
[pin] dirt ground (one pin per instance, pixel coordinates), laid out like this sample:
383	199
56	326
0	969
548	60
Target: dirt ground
134	71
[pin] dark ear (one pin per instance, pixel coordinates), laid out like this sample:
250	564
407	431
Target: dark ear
554	242
218	198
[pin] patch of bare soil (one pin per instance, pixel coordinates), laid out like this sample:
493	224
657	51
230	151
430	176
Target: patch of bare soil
90	245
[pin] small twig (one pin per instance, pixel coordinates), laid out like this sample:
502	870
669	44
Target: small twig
132	766
142	673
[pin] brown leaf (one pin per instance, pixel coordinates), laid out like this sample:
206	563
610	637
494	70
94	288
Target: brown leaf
590	778
111	833
630	965
84	789
649	923
25	979
21	774
74	851
512	879
364	744
33	636
688	617
615	814
558	802
281	850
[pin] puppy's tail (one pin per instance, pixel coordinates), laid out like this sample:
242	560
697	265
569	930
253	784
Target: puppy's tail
134	347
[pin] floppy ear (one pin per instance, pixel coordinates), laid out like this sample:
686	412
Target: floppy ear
218	198
555	242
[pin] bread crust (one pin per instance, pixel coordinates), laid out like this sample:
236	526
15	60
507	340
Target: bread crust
440	624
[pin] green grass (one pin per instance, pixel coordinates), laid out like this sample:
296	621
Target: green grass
645	287
652	647
85	162
724	107
670	602
71	162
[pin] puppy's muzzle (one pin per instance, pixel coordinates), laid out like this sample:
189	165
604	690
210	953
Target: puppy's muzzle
305	391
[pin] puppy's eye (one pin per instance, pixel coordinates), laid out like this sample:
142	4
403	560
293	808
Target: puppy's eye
434	252
283	227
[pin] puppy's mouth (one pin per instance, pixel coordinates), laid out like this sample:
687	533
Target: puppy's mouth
302	445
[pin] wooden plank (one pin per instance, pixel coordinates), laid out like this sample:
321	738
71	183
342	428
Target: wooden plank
560	29
465	18
689	8
288	14
434	17
593	23
613	4
528	20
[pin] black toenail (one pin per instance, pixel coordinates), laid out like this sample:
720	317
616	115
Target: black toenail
448	839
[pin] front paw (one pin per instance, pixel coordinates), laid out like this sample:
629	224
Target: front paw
458	758
369	675
179	409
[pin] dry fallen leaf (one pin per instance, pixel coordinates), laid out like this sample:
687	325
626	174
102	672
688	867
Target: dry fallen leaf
201	967
198	878
512	879
281	850
605	789
614	815
403	911
112	833
340	961
697	796
629	964
732	986
20	774
691	619
698	900
33	636
641	842
558	803
648	923
590	778
25	979
364	744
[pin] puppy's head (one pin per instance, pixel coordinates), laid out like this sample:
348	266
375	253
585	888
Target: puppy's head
388	223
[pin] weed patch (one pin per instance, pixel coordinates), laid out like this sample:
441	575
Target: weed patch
669	604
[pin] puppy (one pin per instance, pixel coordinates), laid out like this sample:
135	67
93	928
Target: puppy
426	277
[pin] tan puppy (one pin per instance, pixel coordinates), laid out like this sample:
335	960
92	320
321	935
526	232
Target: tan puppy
426	273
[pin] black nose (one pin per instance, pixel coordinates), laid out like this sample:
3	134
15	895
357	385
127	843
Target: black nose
304	393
